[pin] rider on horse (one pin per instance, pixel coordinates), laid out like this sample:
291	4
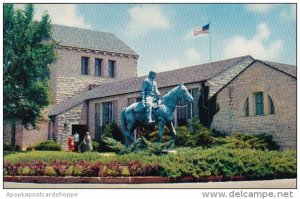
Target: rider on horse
150	95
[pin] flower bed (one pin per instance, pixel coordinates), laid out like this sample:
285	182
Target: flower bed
194	163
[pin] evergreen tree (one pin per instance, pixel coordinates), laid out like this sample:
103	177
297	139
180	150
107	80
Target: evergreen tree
28	50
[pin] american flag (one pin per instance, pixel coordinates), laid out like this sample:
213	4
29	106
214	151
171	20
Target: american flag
201	30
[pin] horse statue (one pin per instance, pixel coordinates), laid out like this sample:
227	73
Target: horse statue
131	117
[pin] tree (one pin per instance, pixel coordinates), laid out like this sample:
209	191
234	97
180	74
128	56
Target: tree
28	50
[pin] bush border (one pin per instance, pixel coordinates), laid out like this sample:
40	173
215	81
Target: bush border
123	180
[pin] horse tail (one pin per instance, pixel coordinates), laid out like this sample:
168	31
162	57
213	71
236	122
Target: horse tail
123	121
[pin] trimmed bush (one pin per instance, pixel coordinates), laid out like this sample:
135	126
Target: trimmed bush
196	162
248	141
48	145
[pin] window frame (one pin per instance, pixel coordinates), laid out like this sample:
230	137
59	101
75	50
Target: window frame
98	68
113	75
85	66
259	103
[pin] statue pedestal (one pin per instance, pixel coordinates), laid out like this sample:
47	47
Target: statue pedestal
165	151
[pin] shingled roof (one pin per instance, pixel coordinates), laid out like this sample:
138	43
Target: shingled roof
286	68
204	72
90	39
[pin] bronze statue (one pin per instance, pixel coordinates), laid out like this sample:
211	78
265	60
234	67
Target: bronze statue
161	111
150	95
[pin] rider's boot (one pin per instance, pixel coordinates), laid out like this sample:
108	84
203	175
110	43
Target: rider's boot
150	116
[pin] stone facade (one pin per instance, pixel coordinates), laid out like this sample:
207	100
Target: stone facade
281	88
64	122
7	133
66	77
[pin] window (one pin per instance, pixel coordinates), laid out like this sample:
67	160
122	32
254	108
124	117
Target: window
111	68
181	113
84	65
132	100
98	128
247	107
259	102
107	114
98	67
272	107
190	110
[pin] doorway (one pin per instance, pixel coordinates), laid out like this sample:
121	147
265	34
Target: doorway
80	129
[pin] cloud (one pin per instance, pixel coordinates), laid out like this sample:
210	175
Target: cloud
261	8
62	14
190	57
289	14
256	46
145	19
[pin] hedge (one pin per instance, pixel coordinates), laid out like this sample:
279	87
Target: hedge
197	162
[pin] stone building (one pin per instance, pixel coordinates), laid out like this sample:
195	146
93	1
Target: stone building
242	94
95	77
85	58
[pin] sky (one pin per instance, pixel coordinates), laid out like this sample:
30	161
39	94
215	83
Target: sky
162	34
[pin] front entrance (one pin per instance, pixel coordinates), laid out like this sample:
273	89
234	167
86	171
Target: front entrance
80	129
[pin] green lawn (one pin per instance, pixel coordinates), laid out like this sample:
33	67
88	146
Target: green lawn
52	156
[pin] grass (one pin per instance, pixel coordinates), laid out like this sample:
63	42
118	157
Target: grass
52	156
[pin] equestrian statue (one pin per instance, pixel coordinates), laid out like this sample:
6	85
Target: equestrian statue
152	109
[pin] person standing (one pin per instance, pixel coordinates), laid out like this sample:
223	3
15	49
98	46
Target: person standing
71	143
76	141
88	142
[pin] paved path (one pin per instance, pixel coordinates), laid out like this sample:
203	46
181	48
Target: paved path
283	183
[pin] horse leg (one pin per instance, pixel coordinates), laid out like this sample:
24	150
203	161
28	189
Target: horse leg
130	131
161	125
172	130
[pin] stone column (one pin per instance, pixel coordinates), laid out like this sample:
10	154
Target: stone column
252	108
266	104
105	67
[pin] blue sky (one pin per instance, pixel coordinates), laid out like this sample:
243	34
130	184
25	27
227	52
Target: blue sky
162	33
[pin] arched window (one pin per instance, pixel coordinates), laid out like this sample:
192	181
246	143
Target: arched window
272	107
246	107
259	103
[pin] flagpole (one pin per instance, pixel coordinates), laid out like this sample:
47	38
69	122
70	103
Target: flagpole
209	42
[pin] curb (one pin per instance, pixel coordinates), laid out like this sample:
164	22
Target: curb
94	180
117	180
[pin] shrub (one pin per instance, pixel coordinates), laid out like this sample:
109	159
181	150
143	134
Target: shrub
194	134
48	145
114	145
196	162
125	171
248	141
96	145
50	171
112	130
7	147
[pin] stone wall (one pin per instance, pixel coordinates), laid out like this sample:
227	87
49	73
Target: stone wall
259	78
33	136
64	121
7	133
26	137
66	77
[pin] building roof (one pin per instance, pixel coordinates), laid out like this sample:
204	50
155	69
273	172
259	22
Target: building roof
217	74
90	39
286	68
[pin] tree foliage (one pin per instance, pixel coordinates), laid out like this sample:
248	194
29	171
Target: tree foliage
28	50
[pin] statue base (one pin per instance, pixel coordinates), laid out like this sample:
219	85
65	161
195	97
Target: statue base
165	151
